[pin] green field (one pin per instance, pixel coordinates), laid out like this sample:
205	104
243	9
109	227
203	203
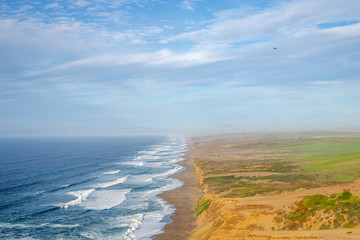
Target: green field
338	159
304	160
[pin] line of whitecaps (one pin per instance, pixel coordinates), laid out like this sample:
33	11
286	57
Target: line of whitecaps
156	153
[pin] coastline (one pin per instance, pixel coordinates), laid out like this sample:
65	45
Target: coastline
184	199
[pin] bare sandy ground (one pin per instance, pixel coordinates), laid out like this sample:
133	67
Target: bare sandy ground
252	218
184	199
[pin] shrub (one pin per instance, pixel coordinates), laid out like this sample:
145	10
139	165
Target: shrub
202	205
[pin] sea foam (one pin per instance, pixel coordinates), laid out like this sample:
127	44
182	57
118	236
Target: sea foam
112	172
112	183
83	195
105	199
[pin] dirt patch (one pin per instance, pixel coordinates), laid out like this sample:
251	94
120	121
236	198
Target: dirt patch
245	174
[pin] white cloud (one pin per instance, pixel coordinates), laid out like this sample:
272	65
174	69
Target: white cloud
81	3
326	83
283	19
54	5
34	32
164	58
26	7
24	37
188	5
344	31
137	42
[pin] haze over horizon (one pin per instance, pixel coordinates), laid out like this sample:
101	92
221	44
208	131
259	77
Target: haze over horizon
153	66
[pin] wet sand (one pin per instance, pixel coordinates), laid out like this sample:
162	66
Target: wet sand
184	199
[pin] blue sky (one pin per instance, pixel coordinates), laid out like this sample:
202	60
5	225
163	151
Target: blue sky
189	66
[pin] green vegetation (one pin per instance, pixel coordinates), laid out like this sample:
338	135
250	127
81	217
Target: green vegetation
202	205
289	178
251	186
327	211
320	145
337	167
291	161
220	180
335	158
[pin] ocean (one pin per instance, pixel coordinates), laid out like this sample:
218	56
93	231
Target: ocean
87	187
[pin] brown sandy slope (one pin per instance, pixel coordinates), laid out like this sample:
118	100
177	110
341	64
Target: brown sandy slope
184	199
252	218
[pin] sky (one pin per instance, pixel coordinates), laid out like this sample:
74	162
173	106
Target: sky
94	67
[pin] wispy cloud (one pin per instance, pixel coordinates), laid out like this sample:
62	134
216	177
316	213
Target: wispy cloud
284	19
326	83
33	40
54	5
24	8
81	3
188	5
162	58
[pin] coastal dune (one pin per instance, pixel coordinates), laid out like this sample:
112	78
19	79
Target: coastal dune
253	218
255	186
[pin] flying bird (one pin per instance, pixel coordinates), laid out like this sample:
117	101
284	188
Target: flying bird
275	48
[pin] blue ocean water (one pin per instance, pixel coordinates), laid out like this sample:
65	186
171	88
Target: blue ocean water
87	187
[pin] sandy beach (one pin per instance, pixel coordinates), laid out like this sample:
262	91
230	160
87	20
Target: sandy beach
184	199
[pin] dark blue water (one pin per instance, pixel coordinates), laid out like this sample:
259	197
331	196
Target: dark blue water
86	187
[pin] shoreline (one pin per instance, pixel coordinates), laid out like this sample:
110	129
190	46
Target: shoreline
183	198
